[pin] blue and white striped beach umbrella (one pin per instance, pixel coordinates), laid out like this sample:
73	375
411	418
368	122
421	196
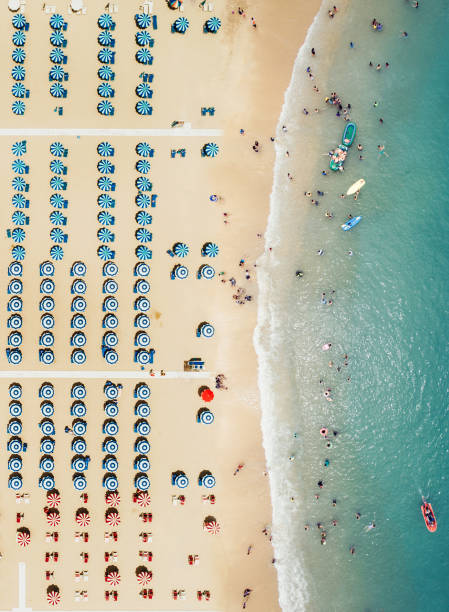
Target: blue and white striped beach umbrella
57	200
78	268
78	321
143	183
110	427
15	286
47	482
105	235
15	408
57	166
18	234
18	200
105	183
142	446
47	463
181	481
46	356
142	339
213	24
79	427
46	339
18	252
15	463
105	253
105	166
180	249
142	286
142	303
47	286
105	201
210	249
105	218
211	149
180	272
105	22
144	149
142	482
143	90
47	408
18	165
19	21
207	330
15	304
57	90
143	20
105	149
110	285
111	408
57	253
57	235
14	322
18	55
79	482
78	339
143	253
56	73
19	147
15	482
57	21
47	321
110	339
143	218
15	445
105	39
143	166
144	56
15	392
144	108
110	304
46	391
57	149
57	183
18	72
18	90
110	321
181	25
207	272
57	55
141	269
78	357
110	268
19	38
104	107
142	463
110	482
105	73
142	391
208	481
78	304
105	90
57	38
78	391
206	417
143	38
18	217
79	464
111	390
143	235
143	201
110	464
105	55
142	409
79	445
18	107
57	218
14	426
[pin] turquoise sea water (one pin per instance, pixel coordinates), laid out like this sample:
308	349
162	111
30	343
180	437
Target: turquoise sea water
390	315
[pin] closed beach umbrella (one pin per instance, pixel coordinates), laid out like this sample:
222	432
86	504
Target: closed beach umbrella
57	166
211	149
53	499
105	183
18	107
105	22
56	73
142	200
143	90
19	38
18	234
79	482
143	183
181	25
104	107
143	499
18	165
18	217
18	55
57	235
18	200
143	56
19	21
213	24
18	183
142	482
144	578
57	90
57	38
57	55
144	149
143	38
207	395
180	272
105	201
53	597
105	90
111	356
143	20
79	445
105	55
54	518
57	200
15	391
143	235
57	253
18	90
144	108
57	149
112	499
46	391
57	21
106	73
15	482
142	165
18	73
105	218
207	272
78	269
180	249
57	218
210	249
57	183
143	218
105	38
143	253
206	417
110	482
105	235
46	339
78	391
18	252
212	527
19	147
105	253
105	166
141	269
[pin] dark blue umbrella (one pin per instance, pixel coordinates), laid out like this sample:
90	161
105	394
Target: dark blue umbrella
18	217
57	38
143	218
57	149
105	235
105	90
143	56
105	149
57	166
143	107
211	149
57	21
19	21
18	90
56	73
57	56
105	201
106	73
105	107
105	167
105	38
19	166
18	200
19	183
18	55
57	183
18	107
181	25
144	149
19	148
143	184
105	22
18	252
105	253
143	90
143	166
57	235
105	218
19	38
143	253
57	218
143	20
57	200
213	24
18	73
143	38
143	235
105	55
104	183
57	90
180	249
18	234
142	200
56	253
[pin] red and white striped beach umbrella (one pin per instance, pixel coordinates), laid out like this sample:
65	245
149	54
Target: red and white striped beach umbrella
113	498
144	578
83	519
143	499
113	578
53	499
23	538
113	518
212	527
53	518
53	598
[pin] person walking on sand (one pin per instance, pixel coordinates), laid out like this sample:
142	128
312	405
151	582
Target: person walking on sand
238	468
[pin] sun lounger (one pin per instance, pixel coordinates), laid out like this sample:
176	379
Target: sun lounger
154	22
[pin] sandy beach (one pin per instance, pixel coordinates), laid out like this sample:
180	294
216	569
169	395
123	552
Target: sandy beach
242	71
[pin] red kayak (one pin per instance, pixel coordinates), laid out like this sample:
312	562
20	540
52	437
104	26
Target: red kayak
429	516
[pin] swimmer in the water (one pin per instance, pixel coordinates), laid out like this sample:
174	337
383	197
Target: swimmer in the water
334	502
357	515
291	458
320	252
370	526
350	253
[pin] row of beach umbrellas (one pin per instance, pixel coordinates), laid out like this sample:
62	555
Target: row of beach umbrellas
144	56
58	41
110	428
209	249
15	445
14	321
18	55
181	25
181	272
58	183
106	58
205	478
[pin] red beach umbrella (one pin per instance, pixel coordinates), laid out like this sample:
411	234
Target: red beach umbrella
113	578
53	598
143	499
23	538
207	395
53	518
53	499
212	527
112	498
112	518
83	519
144	578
